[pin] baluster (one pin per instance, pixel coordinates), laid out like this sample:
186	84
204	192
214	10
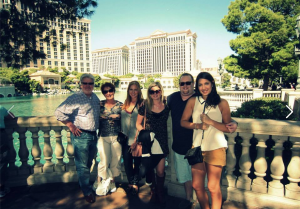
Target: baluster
70	152
277	167
36	150
12	169
23	152
244	182
230	179
293	169
59	150
260	165
48	166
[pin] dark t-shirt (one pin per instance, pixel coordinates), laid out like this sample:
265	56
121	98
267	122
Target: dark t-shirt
182	137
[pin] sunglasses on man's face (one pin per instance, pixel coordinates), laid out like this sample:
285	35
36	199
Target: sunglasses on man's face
85	83
185	83
106	91
154	92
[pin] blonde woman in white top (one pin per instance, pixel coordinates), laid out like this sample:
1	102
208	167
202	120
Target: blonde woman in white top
210	115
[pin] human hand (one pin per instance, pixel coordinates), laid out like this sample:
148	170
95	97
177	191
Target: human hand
204	126
76	131
205	119
232	126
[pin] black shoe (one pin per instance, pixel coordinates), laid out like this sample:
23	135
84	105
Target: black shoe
90	198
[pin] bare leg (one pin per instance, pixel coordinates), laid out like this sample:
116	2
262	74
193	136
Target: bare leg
214	176
188	190
198	182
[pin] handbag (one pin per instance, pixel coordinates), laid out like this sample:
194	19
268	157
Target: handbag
194	155
123	138
136	147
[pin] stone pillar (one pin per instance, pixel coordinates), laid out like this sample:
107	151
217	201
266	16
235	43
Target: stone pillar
244	182
48	166
12	169
293	169
277	168
230	179
70	152
59	150
36	151
257	93
260	165
23	152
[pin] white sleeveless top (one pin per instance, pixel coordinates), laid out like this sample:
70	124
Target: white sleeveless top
213	138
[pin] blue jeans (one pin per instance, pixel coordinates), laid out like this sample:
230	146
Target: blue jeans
85	149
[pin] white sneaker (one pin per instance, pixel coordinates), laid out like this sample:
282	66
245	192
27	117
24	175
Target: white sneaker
112	186
103	187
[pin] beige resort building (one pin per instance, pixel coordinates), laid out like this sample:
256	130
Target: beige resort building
47	79
69	47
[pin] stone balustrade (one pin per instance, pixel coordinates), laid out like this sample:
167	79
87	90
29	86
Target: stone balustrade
263	160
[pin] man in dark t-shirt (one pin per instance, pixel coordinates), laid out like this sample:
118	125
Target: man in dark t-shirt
183	138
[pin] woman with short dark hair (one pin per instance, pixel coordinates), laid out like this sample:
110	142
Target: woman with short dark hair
109	149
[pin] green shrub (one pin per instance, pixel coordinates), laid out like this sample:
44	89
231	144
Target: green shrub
264	108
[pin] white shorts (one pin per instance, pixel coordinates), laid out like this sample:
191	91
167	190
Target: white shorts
182	168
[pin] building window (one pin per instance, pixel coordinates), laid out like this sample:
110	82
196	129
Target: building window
82	69
49	62
62	63
42	62
69	63
56	63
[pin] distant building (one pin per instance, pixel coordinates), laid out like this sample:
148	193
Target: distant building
47	79
161	52
69	48
111	60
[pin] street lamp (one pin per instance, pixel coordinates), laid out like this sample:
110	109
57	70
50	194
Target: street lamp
297	51
220	70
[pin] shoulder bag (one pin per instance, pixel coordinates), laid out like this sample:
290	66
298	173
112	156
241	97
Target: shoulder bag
194	155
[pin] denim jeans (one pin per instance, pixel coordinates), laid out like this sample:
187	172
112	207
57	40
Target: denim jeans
85	149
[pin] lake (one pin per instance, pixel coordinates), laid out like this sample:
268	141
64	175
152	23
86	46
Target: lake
45	105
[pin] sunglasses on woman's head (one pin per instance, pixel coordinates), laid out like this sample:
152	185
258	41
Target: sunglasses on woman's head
153	92
106	91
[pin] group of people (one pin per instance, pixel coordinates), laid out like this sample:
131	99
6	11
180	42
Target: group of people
84	114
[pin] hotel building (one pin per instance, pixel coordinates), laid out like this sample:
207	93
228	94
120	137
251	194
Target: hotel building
163	52
110	60
69	45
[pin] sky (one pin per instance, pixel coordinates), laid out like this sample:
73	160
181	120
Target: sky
116	23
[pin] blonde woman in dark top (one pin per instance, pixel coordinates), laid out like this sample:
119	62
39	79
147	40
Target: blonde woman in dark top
157	113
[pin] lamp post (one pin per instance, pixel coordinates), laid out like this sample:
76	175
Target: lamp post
297	51
220	70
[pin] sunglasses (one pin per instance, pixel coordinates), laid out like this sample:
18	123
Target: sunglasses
153	92
185	83
85	83
106	91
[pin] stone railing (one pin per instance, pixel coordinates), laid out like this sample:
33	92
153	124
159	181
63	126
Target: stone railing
263	165
263	160
237	96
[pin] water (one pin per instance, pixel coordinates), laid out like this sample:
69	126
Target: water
45	105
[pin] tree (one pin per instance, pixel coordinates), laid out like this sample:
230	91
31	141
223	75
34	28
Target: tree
64	74
21	80
266	37
21	30
225	80
35	86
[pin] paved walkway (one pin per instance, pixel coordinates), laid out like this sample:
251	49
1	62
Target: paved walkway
69	196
